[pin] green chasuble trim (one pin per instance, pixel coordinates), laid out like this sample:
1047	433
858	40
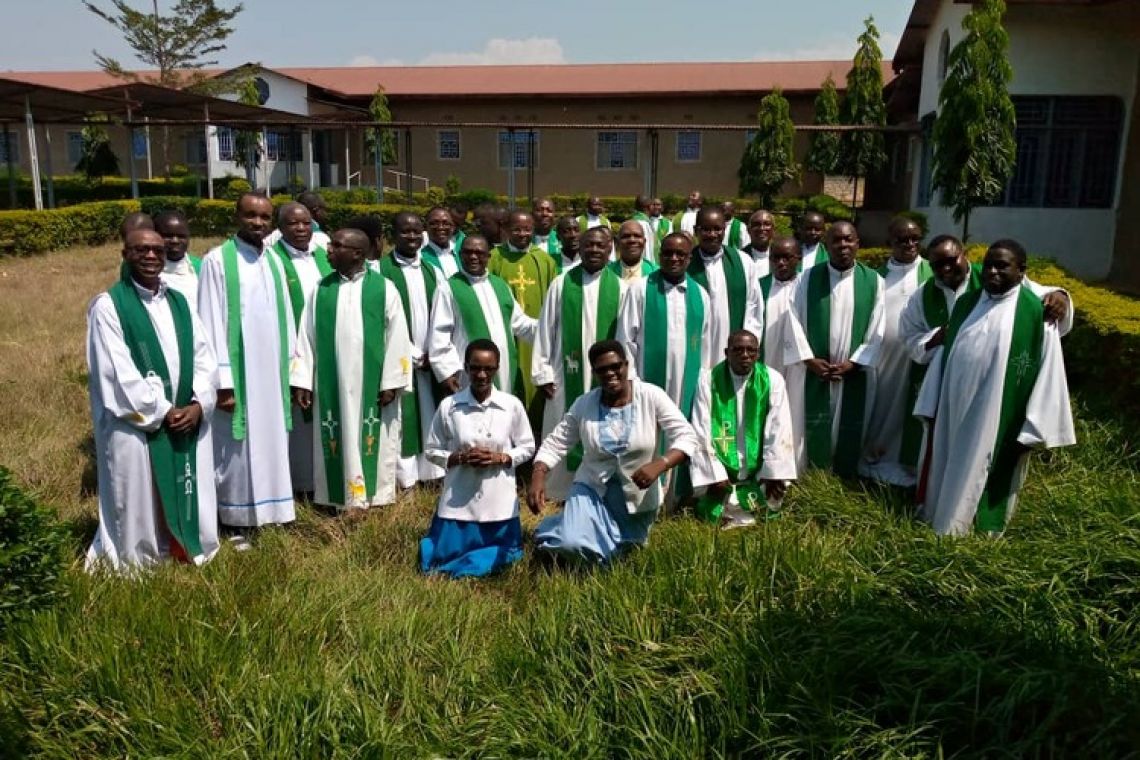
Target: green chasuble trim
475	321
1023	365
372	308
722	417
817	391
195	263
735	278
655	322
411	439
235	340
574	348
173	456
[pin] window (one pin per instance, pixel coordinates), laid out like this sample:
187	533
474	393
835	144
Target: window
447	141
1068	152
225	144
9	147
943	56
139	143
74	147
283	146
925	193
688	146
524	148
617	150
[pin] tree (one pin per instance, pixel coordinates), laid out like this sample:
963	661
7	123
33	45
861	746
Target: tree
823	150
176	46
382	142
974	145
770	160
97	159
862	152
247	143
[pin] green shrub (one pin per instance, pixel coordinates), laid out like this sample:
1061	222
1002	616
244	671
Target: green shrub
236	187
73	189
32	545
24	232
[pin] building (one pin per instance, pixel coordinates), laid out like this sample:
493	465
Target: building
1075	87
593	126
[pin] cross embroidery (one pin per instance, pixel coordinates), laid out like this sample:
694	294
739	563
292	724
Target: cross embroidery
573	366
330	425
188	477
369	423
520	283
725	438
1022	364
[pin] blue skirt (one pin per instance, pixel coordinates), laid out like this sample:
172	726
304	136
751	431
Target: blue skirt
465	549
594	529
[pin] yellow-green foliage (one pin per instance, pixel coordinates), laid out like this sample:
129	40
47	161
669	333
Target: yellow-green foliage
24	232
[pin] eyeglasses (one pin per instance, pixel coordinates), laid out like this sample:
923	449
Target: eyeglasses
481	369
608	368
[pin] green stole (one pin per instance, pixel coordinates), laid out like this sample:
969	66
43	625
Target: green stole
664	227
428	254
1022	366
553	246
173	456
457	241
574	349
411	443
372	308
765	292
732	239
584	219
722	415
655	323
817	391
475	321
936	315
235	340
821	257
647	268
735	278
195	264
293	280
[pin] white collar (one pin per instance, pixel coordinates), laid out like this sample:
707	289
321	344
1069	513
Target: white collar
475	279
466	398
407	262
844	274
147	294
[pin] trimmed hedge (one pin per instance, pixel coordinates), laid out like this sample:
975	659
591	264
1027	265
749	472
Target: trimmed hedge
32	546
72	189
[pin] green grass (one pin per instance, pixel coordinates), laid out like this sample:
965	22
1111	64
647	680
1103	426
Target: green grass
842	629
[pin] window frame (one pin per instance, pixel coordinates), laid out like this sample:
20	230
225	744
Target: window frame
506	137
620	133
439	142
677	146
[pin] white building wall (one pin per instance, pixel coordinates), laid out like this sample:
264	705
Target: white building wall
1054	50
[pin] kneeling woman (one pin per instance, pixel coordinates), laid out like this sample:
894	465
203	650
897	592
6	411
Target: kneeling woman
480	435
613	432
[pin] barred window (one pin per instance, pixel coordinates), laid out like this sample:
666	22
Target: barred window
523	146
225	144
448	145
74	147
925	193
283	146
1068	152
617	150
139	142
688	146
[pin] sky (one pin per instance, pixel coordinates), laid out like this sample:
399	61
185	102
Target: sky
280	33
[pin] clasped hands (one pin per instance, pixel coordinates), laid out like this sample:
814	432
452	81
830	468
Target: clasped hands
829	371
303	398
478	456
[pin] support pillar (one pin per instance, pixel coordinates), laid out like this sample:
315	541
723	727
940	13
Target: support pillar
33	155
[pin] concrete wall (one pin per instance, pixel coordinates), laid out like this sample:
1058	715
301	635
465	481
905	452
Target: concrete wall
1054	50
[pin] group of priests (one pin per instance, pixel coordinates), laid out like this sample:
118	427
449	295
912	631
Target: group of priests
298	361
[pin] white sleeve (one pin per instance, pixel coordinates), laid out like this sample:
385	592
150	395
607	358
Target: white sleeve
205	369
704	466
304	357
1049	414
125	393
1066	324
397	374
522	439
673	426
867	353
754	310
779	449
442	352
547	338
794	340
913	330
523	326
438	444
215	317
628	331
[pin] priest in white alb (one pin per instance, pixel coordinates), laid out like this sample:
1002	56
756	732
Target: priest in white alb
998	391
353	361
761	230
243	300
777	289
439	241
182	267
726	275
476	304
151	380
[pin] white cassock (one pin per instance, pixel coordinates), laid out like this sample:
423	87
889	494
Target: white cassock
413	469
319	238
125	406
546	362
650	233
254	486
688	221
761	267
180	275
866	354
777	313
966	402
892	371
395	375
301	437
631	333
812	255
448	257
594	221
718	312
777	445
448	341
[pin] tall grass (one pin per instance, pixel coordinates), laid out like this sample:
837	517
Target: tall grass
841	629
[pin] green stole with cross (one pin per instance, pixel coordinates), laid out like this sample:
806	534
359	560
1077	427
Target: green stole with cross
817	390
722	416
372	310
235	340
733	237
411	439
1022	366
936	314
735	279
173	456
574	349
475	321
655	324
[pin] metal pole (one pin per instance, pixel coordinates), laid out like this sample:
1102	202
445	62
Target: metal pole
9	149
347	158
511	169
647	166
47	166
378	162
33	156
530	168
655	139
266	172
209	154
149	165
408	163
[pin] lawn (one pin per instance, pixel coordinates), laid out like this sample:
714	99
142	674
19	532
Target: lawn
842	629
